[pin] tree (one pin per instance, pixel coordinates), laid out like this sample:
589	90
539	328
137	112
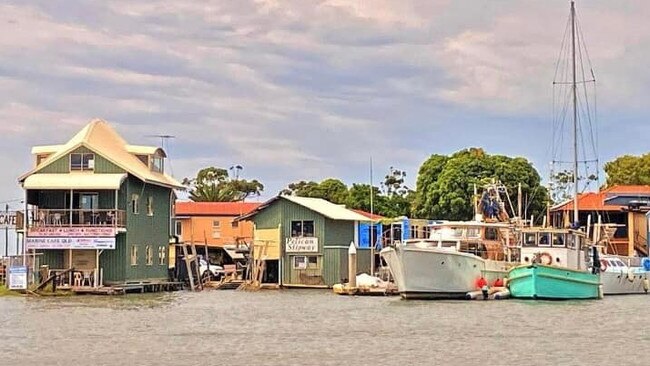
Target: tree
394	182
329	189
628	170
445	184
214	185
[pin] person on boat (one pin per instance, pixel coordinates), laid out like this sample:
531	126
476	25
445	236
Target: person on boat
482	285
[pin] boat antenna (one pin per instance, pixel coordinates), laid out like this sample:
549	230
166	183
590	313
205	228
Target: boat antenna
372	224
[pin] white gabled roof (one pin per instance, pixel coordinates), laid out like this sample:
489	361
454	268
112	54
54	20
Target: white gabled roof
102	139
327	209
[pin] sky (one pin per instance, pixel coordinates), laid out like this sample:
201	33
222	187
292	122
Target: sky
306	90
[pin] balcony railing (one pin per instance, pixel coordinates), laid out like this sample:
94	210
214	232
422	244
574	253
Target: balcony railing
78	217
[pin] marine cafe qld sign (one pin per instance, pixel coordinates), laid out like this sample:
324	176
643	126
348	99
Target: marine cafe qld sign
301	245
71	238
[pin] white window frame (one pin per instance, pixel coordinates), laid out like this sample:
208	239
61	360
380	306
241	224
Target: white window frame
148	255
134	255
82	167
135	204
149	205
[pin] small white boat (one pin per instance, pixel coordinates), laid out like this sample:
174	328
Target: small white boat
618	278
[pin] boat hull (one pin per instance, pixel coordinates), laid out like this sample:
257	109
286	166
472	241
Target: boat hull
620	283
553	283
434	273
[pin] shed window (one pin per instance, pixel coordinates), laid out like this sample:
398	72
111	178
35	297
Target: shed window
134	255
82	161
300	262
312	262
302	229
149	255
216	229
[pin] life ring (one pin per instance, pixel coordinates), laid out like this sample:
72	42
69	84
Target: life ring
603	265
545	258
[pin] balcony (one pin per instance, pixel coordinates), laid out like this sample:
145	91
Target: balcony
41	218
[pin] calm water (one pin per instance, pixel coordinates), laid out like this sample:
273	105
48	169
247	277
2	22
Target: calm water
302	327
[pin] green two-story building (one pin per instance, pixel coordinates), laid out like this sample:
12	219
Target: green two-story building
100	207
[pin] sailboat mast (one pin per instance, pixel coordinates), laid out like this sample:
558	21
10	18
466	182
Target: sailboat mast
575	114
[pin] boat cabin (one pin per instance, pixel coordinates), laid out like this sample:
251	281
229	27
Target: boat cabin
551	246
486	240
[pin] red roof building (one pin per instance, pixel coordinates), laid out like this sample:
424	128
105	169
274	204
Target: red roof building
631	233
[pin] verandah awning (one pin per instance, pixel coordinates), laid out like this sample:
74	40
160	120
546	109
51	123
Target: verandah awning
74	181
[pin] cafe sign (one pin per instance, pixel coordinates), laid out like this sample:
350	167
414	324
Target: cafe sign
8	220
69	243
83	232
301	245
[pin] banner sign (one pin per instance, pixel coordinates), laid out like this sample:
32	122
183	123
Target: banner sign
18	278
69	243
78	232
8	220
301	245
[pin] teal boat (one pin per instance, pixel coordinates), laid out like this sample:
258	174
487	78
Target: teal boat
538	281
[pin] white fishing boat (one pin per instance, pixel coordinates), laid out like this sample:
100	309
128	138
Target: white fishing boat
452	261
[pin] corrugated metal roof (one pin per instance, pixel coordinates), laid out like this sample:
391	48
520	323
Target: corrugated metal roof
189	208
74	181
101	138
327	209
47	149
592	201
368	214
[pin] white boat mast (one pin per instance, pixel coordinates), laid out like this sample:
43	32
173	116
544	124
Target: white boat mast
575	114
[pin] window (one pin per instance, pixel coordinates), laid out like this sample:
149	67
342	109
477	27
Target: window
179	228
302	229
216	229
134	204
491	233
144	159
312	262
530	239
234	224
544	239
150	205
300	262
82	161
149	255
162	253
558	240
157	164
40	158
134	255
570	241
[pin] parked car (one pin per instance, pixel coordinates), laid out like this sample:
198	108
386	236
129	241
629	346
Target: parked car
210	271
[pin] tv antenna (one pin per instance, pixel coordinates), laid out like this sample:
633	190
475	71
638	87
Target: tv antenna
163	138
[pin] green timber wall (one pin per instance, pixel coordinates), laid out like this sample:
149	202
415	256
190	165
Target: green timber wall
143	230
62	165
335	265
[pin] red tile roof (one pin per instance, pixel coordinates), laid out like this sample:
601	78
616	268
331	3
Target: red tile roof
214	208
596	201
368	214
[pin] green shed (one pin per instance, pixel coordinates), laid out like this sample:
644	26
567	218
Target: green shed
305	241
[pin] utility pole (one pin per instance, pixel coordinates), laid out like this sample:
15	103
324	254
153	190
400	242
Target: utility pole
7	231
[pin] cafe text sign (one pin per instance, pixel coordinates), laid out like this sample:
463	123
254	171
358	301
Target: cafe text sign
7	220
76	232
69	243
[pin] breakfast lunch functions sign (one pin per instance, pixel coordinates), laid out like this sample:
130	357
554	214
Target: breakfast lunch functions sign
71	238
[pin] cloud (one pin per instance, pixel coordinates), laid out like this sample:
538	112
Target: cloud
306	89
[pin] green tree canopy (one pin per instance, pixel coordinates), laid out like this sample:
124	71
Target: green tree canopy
445	184
214	185
329	189
628	170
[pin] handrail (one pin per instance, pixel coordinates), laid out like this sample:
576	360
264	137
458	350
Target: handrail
43	217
